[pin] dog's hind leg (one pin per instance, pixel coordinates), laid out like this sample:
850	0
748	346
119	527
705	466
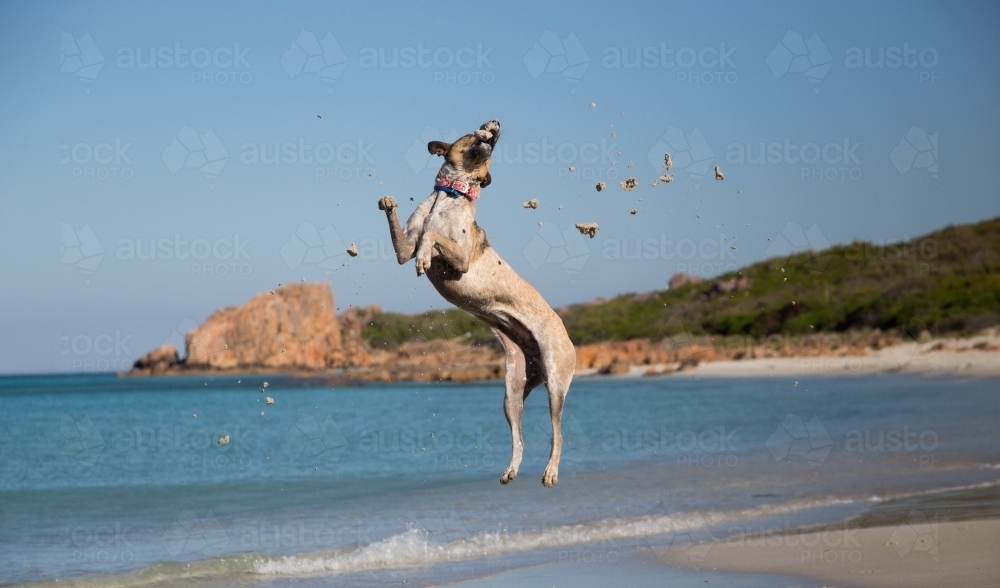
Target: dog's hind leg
522	376
559	373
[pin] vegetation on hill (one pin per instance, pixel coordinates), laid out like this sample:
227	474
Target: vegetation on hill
389	330
945	282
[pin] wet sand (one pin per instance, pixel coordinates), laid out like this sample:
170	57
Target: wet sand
919	552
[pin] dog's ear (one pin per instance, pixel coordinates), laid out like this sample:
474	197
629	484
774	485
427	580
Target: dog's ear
486	181
438	147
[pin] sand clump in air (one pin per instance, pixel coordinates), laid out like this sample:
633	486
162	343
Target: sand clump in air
269	401
224	440
601	186
634	211
352	250
718	174
666	178
589	229
532	204
628	184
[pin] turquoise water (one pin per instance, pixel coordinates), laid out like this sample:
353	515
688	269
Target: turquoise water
120	481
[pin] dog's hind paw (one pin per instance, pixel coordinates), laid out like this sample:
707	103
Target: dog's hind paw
508	476
550	477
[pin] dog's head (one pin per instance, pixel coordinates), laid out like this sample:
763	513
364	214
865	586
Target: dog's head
468	158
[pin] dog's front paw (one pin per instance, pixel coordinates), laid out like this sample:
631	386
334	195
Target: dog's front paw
387	203
551	476
423	260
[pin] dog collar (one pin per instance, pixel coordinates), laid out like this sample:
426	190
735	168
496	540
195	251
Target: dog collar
457	188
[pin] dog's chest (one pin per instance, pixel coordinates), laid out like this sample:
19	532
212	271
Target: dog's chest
451	217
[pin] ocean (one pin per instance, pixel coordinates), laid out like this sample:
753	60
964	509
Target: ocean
108	481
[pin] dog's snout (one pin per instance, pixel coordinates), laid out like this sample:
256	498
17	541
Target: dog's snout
492	127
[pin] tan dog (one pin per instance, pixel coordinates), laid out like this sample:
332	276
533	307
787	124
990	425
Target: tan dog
452	250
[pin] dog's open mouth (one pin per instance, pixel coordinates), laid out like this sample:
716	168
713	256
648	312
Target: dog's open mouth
486	138
482	150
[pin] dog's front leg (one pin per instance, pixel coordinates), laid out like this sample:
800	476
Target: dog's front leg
456	254
400	242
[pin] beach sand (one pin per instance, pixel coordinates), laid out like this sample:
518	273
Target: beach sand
955	553
958	357
910	555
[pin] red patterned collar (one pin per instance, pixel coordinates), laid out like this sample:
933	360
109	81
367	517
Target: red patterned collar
457	188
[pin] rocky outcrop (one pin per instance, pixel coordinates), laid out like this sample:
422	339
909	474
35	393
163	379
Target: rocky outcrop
729	286
294	326
682	279
440	360
294	329
160	360
357	351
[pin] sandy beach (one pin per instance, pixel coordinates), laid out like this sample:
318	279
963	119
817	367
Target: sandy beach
914	554
976	357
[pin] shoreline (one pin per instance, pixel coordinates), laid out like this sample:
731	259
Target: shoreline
958	358
975	357
919	552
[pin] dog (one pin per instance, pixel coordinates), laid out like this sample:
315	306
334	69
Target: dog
452	250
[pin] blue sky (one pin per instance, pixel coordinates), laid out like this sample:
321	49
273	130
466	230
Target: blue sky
136	200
